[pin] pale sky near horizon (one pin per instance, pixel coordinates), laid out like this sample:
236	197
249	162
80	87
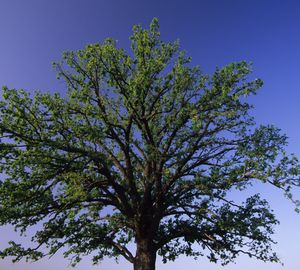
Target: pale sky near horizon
213	32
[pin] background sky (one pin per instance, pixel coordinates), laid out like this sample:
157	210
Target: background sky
33	33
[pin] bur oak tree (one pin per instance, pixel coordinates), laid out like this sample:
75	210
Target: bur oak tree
138	158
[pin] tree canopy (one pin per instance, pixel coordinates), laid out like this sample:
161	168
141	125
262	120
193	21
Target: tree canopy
143	148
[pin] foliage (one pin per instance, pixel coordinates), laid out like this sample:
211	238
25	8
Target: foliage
144	147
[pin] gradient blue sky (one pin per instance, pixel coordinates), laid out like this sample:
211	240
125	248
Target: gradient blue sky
33	33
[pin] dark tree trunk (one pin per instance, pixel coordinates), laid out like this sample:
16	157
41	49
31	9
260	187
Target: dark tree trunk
145	255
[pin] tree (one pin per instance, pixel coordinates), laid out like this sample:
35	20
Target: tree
143	149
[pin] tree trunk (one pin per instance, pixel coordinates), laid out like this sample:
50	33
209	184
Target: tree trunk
145	255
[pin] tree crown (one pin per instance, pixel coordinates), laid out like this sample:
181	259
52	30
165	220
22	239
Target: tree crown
144	146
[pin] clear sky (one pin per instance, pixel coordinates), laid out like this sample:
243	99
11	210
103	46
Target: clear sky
33	33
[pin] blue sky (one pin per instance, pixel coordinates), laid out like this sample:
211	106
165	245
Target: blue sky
34	33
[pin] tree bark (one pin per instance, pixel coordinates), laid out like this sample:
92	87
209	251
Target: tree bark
145	255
